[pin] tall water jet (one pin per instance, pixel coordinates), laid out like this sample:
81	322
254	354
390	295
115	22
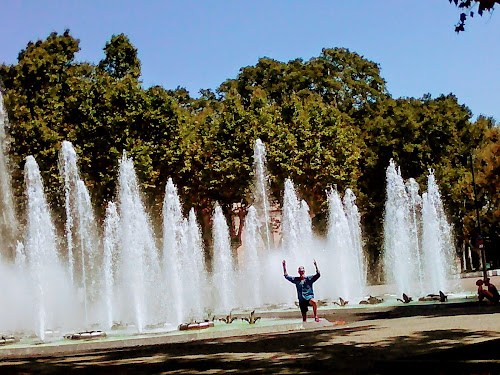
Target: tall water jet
8	221
172	251
415	228
419	255
399	261
88	245
305	224
195	268
250	275
111	243
80	227
138	271
261	191
183	263
437	245
20	258
43	262
69	171
192	287
354	223
296	227
223	276
291	207
347	275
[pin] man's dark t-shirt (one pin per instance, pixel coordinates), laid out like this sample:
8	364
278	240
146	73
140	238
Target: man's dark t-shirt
304	287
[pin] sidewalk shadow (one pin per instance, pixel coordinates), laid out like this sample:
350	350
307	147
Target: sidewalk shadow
480	358
430	310
312	352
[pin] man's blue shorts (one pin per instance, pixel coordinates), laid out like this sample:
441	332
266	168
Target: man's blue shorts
304	306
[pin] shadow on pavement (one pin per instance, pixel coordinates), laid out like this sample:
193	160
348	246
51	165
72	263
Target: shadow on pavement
408	310
311	352
481	358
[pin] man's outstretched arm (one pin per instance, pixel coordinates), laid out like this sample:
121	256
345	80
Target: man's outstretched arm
289	278
316	277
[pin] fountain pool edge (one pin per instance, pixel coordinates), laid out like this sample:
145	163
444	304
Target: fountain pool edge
69	347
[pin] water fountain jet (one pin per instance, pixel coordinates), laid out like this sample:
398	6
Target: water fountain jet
223	275
418	252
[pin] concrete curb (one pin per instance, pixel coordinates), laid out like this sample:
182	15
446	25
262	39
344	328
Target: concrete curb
490	273
70	348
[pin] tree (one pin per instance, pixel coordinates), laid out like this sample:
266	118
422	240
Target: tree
486	158
468	6
419	134
342	78
316	146
121	58
326	122
218	160
107	127
37	90
162	135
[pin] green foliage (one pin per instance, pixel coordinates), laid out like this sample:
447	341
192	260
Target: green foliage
121	58
316	146
37	91
486	159
325	122
219	160
340	77
469	6
419	134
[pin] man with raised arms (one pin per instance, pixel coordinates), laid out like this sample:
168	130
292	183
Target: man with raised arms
304	285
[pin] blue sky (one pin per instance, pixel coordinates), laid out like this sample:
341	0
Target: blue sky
200	44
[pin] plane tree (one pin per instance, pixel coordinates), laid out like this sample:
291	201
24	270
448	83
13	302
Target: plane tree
469	6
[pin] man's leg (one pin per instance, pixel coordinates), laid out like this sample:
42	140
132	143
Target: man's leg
303	309
313	303
488	295
480	295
